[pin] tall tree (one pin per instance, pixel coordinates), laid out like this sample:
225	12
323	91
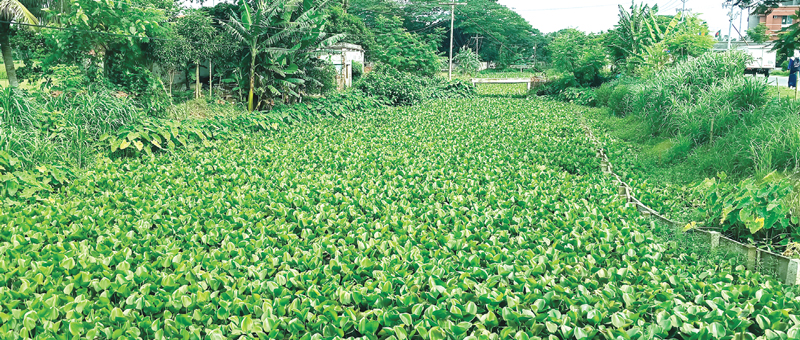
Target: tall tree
789	38
14	11
196	29
108	38
398	48
170	52
579	54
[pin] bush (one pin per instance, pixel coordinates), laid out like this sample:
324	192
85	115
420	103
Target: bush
61	128
603	93
402	88
619	100
358	70
555	86
321	77
581	96
751	209
468	62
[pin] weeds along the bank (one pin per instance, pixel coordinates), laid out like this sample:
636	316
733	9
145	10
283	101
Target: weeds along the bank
402	88
703	126
46	136
57	128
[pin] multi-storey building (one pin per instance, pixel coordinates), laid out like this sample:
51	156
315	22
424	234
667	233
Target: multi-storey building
777	18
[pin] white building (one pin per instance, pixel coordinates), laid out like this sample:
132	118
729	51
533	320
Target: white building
342	57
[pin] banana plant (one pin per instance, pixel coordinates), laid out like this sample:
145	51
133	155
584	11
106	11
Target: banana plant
274	32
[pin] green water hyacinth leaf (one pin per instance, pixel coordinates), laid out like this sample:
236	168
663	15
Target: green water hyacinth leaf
437	333
406	318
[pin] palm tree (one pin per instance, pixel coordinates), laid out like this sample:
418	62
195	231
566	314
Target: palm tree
16	11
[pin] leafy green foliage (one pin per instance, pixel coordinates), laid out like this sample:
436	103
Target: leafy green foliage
555	85
580	54
19	186
644	42
755	210
788	41
468	62
109	51
402	88
61	128
275	33
321	77
402	50
581	96
458	219
358	70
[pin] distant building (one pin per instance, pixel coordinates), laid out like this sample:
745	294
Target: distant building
776	19
342	56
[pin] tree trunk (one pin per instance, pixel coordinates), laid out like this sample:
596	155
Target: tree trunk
252	81
186	75
197	88
210	80
8	55
171	81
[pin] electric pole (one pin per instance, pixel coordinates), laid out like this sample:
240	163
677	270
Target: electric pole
731	16
477	39
683	11
452	22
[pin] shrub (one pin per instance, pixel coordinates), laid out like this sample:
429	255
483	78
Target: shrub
468	62
751	209
716	111
402	88
555	86
581	96
358	70
619	100
61	127
321	78
603	93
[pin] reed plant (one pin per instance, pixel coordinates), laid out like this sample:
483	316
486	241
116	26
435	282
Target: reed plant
58	128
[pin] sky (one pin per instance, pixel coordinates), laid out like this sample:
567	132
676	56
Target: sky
601	15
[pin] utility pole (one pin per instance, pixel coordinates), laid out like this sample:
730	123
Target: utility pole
477	39
452	22
683	11
731	16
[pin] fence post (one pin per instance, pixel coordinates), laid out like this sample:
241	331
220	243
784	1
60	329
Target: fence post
714	239
623	192
752	256
793	272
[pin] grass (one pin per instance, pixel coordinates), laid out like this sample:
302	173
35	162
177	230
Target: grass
41	129
3	74
203	109
784	92
782	73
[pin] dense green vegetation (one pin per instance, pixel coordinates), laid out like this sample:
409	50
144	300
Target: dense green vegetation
720	137
257	202
389	224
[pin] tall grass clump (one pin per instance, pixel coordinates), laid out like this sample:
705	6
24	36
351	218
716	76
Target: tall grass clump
61	128
723	121
656	98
